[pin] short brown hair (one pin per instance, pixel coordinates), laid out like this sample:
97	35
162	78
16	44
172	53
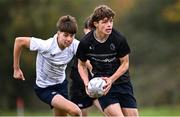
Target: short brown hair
67	24
101	12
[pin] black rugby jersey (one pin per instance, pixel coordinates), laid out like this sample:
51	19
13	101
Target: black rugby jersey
104	57
75	76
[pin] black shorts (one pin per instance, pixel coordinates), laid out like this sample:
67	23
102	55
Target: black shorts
83	102
77	91
79	97
119	93
46	94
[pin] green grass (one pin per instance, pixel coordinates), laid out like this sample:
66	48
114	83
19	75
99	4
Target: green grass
148	111
160	111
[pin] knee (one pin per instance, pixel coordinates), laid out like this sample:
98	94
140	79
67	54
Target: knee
76	112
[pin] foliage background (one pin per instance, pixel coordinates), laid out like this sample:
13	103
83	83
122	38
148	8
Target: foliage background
151	28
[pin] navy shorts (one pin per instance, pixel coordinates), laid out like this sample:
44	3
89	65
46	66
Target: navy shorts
46	94
119	93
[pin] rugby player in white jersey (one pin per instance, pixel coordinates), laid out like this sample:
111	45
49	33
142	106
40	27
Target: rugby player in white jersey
53	55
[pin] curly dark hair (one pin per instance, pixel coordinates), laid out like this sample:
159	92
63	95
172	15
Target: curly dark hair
101	12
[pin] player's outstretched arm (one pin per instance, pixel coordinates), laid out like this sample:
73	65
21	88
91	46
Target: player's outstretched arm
19	43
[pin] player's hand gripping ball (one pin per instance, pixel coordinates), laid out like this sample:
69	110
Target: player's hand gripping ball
95	87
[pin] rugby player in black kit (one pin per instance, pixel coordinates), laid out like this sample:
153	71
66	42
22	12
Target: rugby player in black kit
108	52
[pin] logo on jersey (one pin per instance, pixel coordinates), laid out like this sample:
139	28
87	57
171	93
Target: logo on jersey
52	55
112	46
91	47
104	60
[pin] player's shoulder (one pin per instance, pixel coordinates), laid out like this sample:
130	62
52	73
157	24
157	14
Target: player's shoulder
88	37
117	34
75	42
40	44
74	45
41	40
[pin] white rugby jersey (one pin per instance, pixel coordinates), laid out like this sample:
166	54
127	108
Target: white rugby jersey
51	61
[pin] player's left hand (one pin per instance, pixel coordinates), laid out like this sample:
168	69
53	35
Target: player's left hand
86	88
108	85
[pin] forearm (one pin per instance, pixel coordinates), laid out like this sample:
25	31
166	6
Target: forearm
18	45
122	68
82	68
89	67
17	52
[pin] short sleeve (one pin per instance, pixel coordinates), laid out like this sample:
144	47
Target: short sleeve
123	48
75	45
37	44
81	51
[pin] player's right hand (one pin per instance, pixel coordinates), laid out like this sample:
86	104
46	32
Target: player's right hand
18	74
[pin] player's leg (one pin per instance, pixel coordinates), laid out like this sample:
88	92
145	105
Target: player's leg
83	102
78	95
128	102
84	112
98	106
110	105
65	106
59	112
130	112
113	110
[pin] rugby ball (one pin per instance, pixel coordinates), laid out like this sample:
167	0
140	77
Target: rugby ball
95	87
